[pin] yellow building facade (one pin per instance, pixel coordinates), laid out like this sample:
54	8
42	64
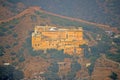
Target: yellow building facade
48	37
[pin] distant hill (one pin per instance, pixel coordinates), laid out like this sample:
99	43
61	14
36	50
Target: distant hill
19	9
99	11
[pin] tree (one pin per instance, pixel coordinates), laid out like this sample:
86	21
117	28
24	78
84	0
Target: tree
75	66
113	76
90	69
21	59
1	50
10	73
54	68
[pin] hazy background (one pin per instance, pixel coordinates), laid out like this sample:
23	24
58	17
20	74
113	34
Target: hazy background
100	11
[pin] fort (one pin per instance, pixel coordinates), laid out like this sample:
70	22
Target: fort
48	37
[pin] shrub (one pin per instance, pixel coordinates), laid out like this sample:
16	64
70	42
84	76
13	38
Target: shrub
58	54
1	51
75	66
10	27
7	46
114	76
3	29
114	57
15	63
9	32
21	59
90	69
34	18
54	68
13	53
71	76
13	58
51	76
15	35
2	33
15	43
10	73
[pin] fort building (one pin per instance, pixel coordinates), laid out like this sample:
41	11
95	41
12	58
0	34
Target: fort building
48	37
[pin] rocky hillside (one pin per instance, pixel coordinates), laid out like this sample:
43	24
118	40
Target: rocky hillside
15	46
99	11
8	10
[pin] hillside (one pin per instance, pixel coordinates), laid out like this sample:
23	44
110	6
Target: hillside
8	10
15	46
99	11
32	9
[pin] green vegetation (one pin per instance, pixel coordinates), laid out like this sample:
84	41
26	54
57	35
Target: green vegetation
15	43
93	53
33	18
13	53
14	21
20	53
28	46
91	68
116	56
114	76
92	56
2	33
15	35
5	29
59	55
14	1
86	36
15	63
75	67
11	27
71	76
52	72
10	73
9	32
54	67
1	51
42	15
13	58
10	24
117	41
7	46
86	52
21	59
51	76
